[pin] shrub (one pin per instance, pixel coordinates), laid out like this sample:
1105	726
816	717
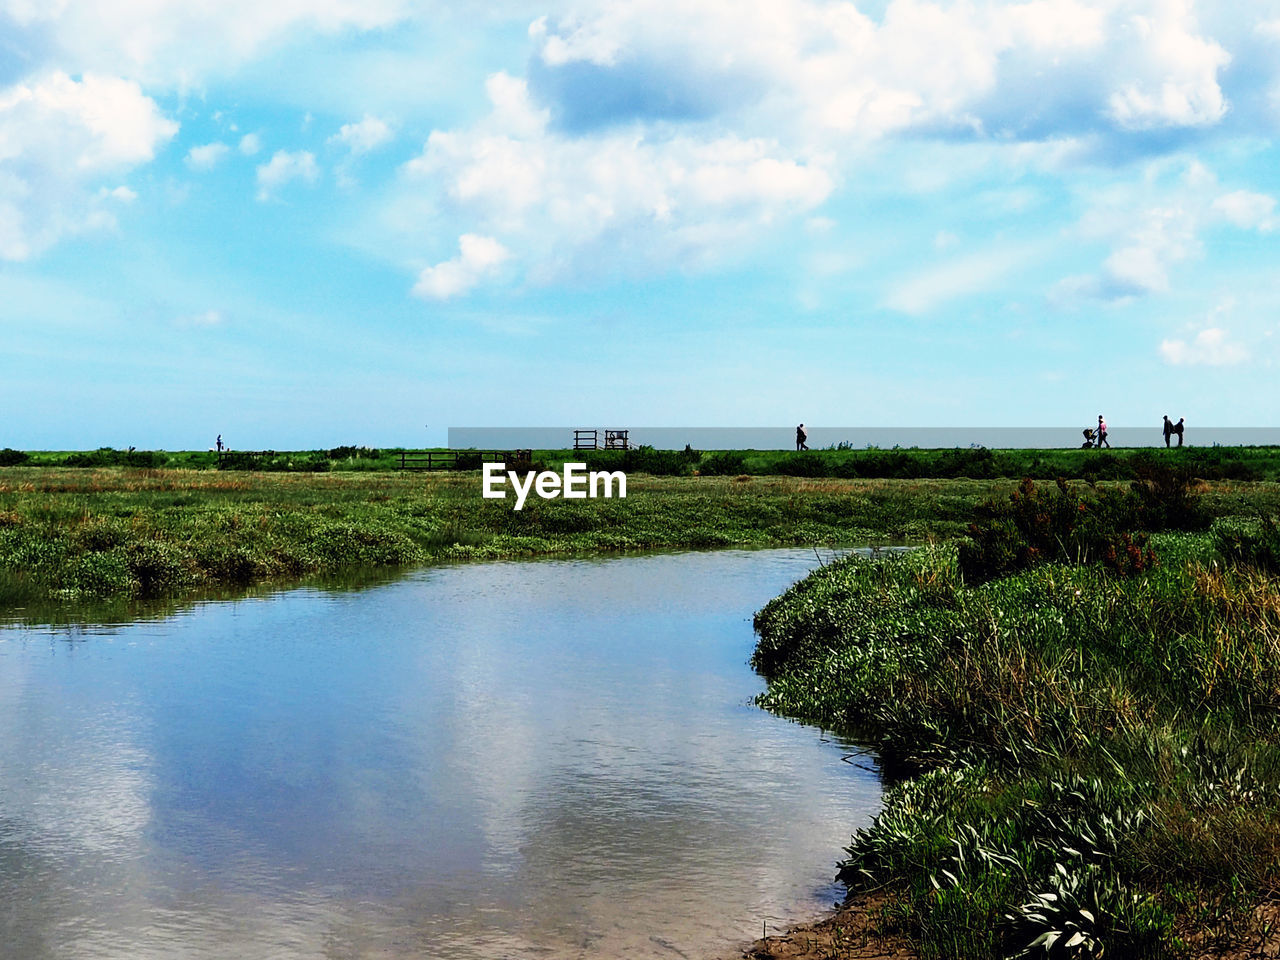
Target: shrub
108	457
268	461
1254	544
804	465
13	458
1036	525
644	459
101	575
972	462
1163	498
723	463
1040	525
353	453
158	567
1128	555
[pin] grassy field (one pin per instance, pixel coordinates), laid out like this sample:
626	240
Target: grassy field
78	533
1210	463
85	532
1083	742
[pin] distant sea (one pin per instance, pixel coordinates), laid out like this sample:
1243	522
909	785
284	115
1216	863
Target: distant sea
885	438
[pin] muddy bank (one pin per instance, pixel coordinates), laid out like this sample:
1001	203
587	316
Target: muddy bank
862	929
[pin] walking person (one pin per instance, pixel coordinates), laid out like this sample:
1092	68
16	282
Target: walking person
1178	428
802	435
1102	433
1168	430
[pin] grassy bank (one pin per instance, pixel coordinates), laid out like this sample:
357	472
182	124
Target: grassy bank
1209	463
1085	747
68	533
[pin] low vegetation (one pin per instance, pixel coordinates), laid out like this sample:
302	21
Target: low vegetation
978	463
1084	747
80	533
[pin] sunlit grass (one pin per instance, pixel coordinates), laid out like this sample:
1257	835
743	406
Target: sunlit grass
96	532
1084	764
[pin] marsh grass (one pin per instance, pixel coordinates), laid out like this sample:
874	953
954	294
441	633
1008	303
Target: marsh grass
79	533
1084	763
1208	463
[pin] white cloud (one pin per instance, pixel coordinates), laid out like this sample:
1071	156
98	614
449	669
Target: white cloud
59	138
209	318
649	134
178	43
250	144
1211	347
1176	82
611	200
478	257
365	136
1247	210
121	194
1154	226
285	167
974	273
829	70
206	157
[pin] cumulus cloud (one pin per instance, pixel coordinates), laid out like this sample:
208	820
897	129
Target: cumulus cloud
59	137
653	133
1247	210
477	258
1176	82
614	199
1150	242
1027	68
285	167
1210	347
207	156
176	43
365	136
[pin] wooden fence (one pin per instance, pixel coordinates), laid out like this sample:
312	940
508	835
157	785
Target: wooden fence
459	459
590	439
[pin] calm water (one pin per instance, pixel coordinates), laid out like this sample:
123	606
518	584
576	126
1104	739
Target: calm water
523	760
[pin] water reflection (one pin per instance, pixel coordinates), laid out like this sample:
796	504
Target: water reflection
553	759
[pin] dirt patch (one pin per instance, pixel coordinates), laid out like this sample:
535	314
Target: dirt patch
857	931
863	929
1255	935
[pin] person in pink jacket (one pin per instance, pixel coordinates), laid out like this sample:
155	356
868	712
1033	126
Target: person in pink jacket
1102	433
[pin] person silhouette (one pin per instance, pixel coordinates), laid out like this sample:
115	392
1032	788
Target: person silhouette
801	436
219	443
1102	433
1168	430
1178	428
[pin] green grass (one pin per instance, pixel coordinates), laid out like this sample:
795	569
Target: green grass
1082	763
76	533
1210	463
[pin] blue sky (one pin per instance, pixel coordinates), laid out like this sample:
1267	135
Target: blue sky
302	223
